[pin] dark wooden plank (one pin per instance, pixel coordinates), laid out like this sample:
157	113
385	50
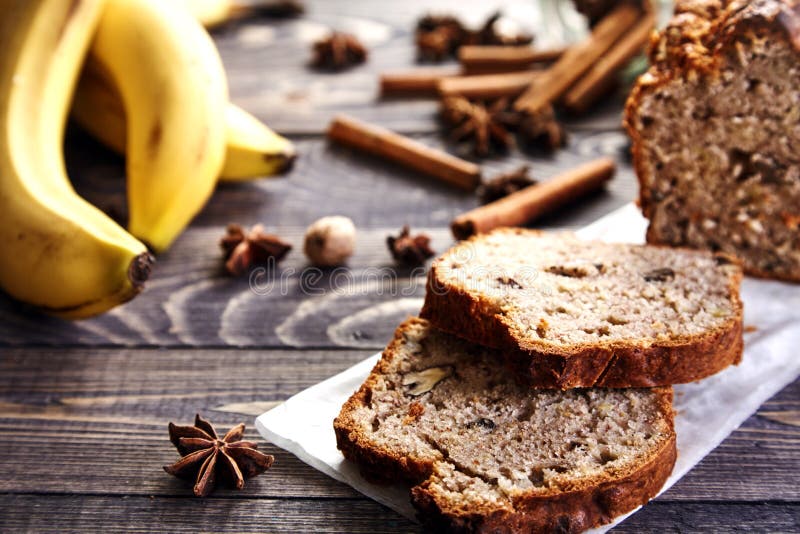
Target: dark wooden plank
663	517
735	471
329	179
126	459
100	415
189	301
64	513
142	514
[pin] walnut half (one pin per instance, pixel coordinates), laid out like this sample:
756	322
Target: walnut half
423	381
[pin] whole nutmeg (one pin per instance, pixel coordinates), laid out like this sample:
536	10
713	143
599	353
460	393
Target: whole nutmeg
330	241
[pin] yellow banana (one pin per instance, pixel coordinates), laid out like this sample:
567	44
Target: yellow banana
174	92
97	108
252	151
57	251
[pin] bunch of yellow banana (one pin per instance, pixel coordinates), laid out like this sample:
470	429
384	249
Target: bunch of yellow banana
252	151
166	90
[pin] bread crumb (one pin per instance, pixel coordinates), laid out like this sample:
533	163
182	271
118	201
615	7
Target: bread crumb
542	327
415	410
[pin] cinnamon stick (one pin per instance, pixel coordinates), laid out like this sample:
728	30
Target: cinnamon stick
417	82
536	200
603	74
577	60
487	86
405	151
495	59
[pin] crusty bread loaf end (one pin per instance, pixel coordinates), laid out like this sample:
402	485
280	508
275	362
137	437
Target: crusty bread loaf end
714	126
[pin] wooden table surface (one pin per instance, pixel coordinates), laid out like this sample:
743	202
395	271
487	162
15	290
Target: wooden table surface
84	406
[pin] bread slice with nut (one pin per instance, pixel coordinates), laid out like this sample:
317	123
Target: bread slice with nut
486	454
573	313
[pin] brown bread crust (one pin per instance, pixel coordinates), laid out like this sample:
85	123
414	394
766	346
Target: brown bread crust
574	511
694	43
614	365
589	504
376	465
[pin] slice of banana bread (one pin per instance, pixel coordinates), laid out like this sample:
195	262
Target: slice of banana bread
485	454
573	313
715	125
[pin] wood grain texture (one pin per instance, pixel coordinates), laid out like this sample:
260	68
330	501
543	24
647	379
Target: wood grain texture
108	408
189	301
148	514
84	406
331	178
96	513
725	518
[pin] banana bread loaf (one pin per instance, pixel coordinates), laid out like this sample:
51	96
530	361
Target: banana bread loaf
485	454
573	313
715	126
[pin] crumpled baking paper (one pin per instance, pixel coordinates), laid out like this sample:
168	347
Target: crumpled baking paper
707	411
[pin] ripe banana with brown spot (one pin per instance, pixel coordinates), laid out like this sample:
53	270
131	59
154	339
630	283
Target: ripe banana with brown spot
57	251
174	91
252	151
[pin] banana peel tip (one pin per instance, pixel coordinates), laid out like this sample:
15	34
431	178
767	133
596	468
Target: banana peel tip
139	269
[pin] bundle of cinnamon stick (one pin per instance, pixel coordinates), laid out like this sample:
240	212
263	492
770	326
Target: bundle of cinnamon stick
589	68
576	76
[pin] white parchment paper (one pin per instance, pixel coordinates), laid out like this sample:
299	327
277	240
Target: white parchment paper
707	411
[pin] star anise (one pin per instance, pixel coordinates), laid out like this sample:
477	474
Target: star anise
410	250
338	51
484	128
438	37
208	459
504	184
541	129
244	249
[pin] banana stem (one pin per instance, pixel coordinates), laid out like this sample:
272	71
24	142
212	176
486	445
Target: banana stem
140	268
